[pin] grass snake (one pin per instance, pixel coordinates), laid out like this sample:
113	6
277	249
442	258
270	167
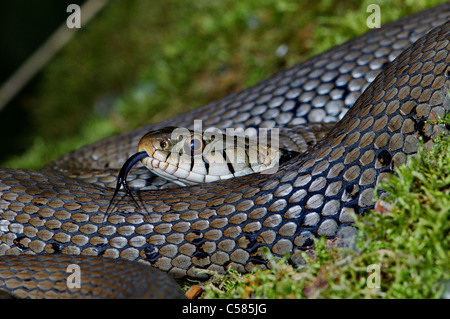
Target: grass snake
381	88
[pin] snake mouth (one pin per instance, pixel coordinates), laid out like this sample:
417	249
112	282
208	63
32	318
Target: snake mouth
123	173
167	171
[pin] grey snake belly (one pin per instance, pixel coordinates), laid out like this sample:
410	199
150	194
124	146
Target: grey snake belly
382	107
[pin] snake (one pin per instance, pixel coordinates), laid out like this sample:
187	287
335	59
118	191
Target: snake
382	92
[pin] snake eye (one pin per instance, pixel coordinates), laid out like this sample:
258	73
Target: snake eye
163	144
193	146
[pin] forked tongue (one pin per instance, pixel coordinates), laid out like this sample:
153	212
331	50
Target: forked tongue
122	177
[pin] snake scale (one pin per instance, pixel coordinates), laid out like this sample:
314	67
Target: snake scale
381	87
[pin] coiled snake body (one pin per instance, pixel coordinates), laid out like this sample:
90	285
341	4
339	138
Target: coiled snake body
61	210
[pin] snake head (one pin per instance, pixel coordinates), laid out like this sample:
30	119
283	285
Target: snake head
187	157
161	140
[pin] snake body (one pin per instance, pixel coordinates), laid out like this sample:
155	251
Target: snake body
62	209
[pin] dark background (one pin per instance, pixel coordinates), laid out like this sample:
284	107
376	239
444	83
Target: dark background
25	25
